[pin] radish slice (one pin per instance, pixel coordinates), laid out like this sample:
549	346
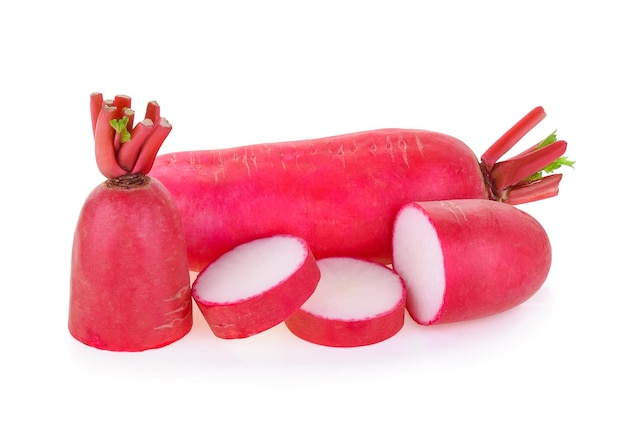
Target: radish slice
466	259
256	285
356	303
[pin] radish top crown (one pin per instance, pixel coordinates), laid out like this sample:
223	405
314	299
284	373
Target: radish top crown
122	149
521	179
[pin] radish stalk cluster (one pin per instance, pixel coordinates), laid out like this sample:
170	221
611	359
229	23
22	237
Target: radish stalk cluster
520	179
121	148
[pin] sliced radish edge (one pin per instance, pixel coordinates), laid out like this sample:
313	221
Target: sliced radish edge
356	303
256	286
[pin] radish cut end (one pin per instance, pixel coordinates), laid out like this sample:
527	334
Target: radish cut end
356	303
256	285
418	259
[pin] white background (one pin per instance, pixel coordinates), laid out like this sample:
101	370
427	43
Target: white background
549	370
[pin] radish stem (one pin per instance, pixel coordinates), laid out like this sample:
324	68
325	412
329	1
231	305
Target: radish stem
543	188
153	112
121	102
509	182
96	103
151	146
511	137
104	141
129	151
511	172
543	143
120	148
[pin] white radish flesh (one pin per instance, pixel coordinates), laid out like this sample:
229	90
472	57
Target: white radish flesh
256	285
418	258
356	303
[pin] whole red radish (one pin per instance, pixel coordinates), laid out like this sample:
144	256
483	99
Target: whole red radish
130	286
466	259
256	285
356	303
340	194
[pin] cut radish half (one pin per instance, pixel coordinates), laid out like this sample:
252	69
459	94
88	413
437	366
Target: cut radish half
356	303
256	285
465	259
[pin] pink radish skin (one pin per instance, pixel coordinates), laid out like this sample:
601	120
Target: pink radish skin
256	286
356	303
129	284
466	259
130	279
340	194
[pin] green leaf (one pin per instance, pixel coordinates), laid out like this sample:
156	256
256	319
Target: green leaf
120	126
125	136
534	177
547	141
556	164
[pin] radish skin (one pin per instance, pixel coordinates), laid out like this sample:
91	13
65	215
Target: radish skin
256	286
130	288
466	259
356	303
340	194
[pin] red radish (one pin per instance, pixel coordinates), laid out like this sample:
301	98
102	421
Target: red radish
256	285
465	259
356	303
130	287
340	194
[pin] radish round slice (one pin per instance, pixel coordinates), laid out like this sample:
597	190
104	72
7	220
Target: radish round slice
256	285
356	303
